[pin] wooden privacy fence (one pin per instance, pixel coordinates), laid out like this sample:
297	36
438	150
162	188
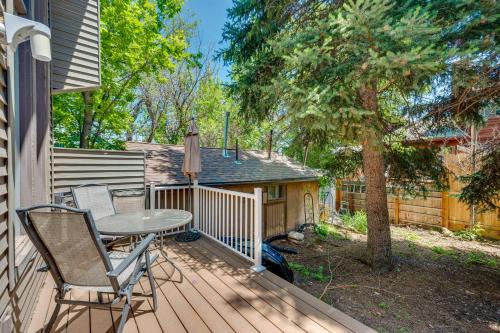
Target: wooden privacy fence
437	209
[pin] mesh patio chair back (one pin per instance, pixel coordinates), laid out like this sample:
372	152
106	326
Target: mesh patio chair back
78	254
127	201
94	197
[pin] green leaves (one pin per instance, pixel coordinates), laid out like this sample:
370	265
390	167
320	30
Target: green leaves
137	39
482	188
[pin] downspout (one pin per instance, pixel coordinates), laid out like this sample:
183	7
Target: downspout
237	157
13	163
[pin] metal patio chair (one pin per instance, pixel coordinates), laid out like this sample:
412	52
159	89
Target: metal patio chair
76	257
126	201
97	198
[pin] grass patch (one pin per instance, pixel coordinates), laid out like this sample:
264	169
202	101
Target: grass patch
358	222
324	231
382	305
442	251
479	258
318	274
412	246
412	237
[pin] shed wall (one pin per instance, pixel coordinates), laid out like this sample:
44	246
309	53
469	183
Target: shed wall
295	209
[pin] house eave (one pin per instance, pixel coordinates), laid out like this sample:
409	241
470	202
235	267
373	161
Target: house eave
245	182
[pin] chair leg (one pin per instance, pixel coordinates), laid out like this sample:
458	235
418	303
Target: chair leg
52	320
151	281
99	297
123	319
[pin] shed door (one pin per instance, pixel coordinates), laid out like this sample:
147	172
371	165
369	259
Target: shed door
275	210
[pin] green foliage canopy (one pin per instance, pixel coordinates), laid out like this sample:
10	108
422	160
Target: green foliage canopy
137	38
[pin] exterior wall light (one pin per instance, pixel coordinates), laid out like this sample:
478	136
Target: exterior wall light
16	30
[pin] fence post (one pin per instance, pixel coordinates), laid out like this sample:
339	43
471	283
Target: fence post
338	195
152	196
396	207
196	205
258	231
444	209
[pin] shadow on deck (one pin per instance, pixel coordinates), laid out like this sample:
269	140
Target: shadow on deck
219	293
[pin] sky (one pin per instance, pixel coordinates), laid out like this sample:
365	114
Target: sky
211	16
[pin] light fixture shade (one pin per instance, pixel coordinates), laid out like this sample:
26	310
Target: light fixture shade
40	46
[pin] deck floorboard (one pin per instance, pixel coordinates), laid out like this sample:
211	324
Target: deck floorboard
218	293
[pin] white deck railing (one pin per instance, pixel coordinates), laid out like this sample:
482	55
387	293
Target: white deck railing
172	197
233	219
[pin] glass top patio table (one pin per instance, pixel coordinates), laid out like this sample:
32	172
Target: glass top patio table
143	222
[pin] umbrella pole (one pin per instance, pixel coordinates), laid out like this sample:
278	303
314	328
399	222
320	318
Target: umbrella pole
191	234
189	191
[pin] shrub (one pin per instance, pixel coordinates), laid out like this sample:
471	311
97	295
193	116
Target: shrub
321	230
317	275
358	222
470	234
479	258
324	230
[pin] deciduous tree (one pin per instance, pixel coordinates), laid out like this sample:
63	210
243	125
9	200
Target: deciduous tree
137	38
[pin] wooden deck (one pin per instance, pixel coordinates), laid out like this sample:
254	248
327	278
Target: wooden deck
219	293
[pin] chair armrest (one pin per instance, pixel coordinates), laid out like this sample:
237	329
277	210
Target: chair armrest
140	249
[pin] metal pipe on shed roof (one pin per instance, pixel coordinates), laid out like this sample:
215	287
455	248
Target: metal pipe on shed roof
226	130
270	148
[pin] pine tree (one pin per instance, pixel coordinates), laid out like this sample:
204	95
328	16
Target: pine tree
339	68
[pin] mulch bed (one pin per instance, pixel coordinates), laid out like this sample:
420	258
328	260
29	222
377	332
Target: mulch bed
439	284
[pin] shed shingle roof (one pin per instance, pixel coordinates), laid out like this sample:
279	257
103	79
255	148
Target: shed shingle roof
164	164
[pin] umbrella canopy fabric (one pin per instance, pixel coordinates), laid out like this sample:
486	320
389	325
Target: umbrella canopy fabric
192	163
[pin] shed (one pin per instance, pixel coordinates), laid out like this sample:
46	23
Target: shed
291	191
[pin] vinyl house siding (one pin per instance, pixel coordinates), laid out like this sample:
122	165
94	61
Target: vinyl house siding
4	269
20	283
75	45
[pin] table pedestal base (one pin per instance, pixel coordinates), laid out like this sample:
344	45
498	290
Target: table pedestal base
165	256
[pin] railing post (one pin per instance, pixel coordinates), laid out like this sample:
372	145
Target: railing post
196	205
258	231
152	196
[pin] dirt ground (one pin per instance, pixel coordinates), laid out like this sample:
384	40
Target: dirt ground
439	284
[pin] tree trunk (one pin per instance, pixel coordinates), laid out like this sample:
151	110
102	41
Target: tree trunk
152	132
88	116
473	169
379	232
153	116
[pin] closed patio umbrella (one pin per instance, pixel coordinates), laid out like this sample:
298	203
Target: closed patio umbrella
191	167
192	164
